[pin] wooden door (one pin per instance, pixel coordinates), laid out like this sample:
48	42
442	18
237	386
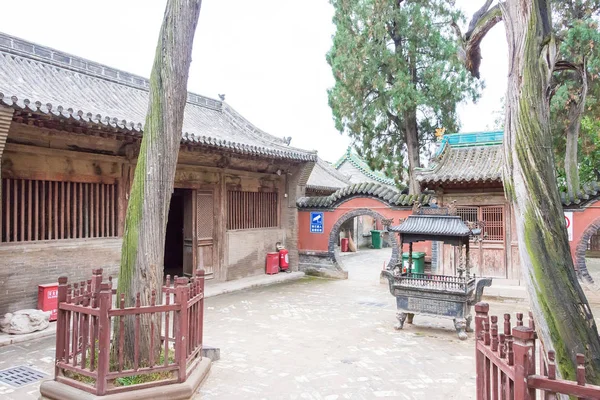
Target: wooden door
188	233
493	247
205	217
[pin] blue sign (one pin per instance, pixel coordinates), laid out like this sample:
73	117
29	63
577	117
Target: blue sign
316	222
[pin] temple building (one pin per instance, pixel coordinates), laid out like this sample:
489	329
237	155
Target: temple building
70	131
467	170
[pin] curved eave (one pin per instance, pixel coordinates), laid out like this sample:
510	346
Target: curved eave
91	120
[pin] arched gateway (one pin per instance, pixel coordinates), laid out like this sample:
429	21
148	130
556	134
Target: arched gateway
317	247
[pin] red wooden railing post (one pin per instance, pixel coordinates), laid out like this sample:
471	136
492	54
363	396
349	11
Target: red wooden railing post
61	321
96	280
481	315
182	292
200	275
105	299
523	361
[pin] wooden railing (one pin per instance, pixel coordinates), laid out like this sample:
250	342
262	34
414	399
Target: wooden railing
86	319
507	367
440	282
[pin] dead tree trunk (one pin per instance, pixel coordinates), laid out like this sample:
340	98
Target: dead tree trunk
564	320
146	220
576	110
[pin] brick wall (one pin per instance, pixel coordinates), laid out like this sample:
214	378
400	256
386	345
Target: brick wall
24	266
247	249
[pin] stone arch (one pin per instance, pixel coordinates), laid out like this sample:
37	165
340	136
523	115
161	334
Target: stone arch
335	234
581	248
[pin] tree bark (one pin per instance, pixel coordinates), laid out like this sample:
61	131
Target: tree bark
576	110
147	212
563	317
412	149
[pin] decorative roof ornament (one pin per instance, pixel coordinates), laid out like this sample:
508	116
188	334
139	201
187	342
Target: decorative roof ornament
439	133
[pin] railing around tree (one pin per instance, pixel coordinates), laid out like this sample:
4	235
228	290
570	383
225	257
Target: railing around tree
86	319
507	367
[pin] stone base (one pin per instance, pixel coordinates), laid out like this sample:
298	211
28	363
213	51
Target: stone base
321	264
326	273
52	390
214	353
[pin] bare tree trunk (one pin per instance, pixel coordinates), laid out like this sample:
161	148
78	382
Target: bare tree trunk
148	209
412	149
564	319
576	111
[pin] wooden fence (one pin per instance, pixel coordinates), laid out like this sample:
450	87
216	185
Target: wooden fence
507	367
86	319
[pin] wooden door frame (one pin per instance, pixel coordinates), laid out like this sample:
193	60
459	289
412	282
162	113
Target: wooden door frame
213	190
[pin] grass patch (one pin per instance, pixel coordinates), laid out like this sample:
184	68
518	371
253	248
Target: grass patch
128	380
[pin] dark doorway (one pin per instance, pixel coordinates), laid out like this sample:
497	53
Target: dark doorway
173	261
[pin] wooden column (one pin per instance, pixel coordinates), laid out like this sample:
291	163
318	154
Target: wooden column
5	121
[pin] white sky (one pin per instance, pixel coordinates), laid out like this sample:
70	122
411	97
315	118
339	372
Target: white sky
267	56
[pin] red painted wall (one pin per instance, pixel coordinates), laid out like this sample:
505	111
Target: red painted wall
319	241
582	219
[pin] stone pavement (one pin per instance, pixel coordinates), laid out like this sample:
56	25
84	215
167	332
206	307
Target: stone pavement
320	339
315	339
212	289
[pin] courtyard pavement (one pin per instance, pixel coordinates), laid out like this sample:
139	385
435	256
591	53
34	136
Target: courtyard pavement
315	339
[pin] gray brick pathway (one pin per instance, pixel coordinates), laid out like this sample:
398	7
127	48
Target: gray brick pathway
315	339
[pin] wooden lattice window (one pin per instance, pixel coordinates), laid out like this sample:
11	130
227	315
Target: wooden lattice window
491	216
470	214
50	210
205	215
493	219
249	210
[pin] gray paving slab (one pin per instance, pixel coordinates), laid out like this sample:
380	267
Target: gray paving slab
315	339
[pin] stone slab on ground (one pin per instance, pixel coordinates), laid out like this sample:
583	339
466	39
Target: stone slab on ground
7	339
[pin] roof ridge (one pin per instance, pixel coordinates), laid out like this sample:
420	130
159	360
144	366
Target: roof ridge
48	55
362	165
18	49
384	193
332	171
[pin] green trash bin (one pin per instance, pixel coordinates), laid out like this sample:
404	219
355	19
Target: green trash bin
418	265
376	239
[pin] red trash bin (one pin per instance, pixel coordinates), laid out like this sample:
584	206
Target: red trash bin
344	245
48	298
284	261
272	264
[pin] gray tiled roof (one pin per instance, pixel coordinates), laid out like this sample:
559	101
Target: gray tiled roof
589	192
377	190
325	177
438	225
42	80
465	164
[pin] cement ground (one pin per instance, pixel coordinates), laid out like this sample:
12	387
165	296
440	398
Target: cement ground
316	339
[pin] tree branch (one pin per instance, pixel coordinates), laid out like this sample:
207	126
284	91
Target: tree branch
476	17
479	27
564	65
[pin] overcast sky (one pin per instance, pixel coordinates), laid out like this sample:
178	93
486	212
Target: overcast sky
267	56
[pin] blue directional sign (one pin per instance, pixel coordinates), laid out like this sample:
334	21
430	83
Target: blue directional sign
316	222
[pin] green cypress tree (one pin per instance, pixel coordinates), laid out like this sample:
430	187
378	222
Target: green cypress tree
397	78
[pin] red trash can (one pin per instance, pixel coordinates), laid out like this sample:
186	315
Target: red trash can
344	245
272	264
48	298
284	261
